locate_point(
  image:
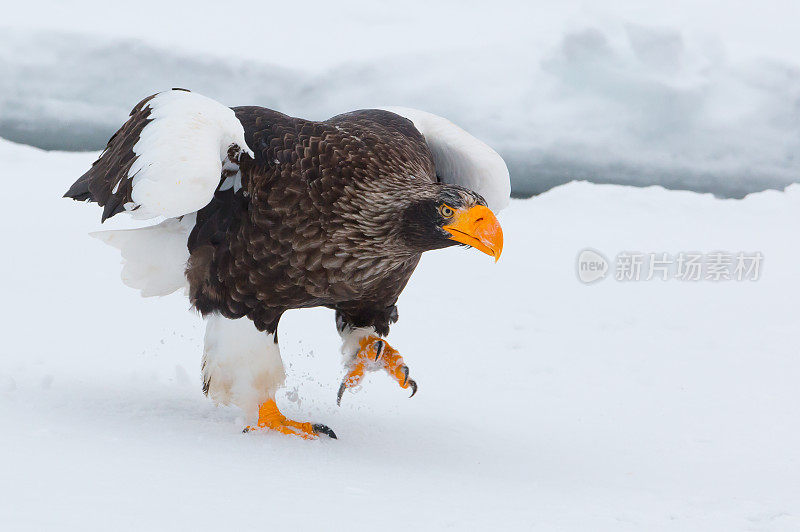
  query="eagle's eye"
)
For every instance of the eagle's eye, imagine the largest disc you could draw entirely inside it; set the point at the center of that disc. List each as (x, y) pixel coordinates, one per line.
(446, 211)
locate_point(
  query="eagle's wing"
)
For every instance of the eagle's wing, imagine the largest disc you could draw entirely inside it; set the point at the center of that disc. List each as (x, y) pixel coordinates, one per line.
(168, 159)
(460, 158)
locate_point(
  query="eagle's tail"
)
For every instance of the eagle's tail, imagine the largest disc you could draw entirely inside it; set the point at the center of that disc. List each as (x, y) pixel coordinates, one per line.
(154, 258)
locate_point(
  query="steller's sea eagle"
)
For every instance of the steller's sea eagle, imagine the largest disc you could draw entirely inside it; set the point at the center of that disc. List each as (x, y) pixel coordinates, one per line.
(261, 212)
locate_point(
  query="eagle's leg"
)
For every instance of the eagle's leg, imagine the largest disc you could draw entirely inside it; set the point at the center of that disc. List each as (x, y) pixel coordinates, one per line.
(270, 418)
(375, 353)
(367, 351)
(242, 366)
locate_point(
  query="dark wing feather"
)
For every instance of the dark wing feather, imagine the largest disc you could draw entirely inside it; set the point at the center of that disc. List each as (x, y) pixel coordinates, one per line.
(106, 181)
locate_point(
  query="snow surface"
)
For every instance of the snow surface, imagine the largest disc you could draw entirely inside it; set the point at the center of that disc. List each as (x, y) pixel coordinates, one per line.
(685, 94)
(544, 404)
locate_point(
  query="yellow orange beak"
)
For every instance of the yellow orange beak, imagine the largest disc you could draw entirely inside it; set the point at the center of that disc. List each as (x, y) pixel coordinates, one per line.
(477, 227)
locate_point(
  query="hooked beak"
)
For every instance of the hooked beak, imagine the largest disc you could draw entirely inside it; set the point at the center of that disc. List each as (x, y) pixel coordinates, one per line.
(477, 227)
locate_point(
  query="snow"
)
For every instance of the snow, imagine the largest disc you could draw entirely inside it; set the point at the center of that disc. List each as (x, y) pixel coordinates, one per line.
(681, 94)
(543, 404)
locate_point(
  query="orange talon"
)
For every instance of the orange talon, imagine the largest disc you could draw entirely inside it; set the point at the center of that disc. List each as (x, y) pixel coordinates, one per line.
(270, 418)
(375, 353)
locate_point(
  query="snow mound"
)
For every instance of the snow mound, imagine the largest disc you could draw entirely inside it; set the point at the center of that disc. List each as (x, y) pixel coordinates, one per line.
(61, 91)
(606, 102)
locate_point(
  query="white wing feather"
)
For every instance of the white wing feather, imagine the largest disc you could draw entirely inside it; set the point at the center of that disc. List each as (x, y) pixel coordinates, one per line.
(180, 154)
(462, 159)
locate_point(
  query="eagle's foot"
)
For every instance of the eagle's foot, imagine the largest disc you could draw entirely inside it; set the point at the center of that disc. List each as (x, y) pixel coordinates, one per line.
(375, 353)
(270, 418)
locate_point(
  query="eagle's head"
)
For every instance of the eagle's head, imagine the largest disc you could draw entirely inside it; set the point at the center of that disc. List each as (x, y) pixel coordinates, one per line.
(450, 215)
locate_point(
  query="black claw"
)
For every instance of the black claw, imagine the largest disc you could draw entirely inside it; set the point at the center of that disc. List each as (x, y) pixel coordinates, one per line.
(245, 430)
(405, 370)
(319, 428)
(413, 385)
(342, 388)
(378, 349)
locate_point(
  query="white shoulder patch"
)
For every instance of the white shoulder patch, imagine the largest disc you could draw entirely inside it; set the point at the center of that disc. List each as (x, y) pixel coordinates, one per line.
(180, 153)
(462, 159)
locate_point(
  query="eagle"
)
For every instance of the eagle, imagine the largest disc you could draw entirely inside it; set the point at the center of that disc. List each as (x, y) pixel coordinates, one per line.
(255, 212)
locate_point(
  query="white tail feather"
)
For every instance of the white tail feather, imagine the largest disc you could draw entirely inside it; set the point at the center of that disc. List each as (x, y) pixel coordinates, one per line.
(154, 258)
